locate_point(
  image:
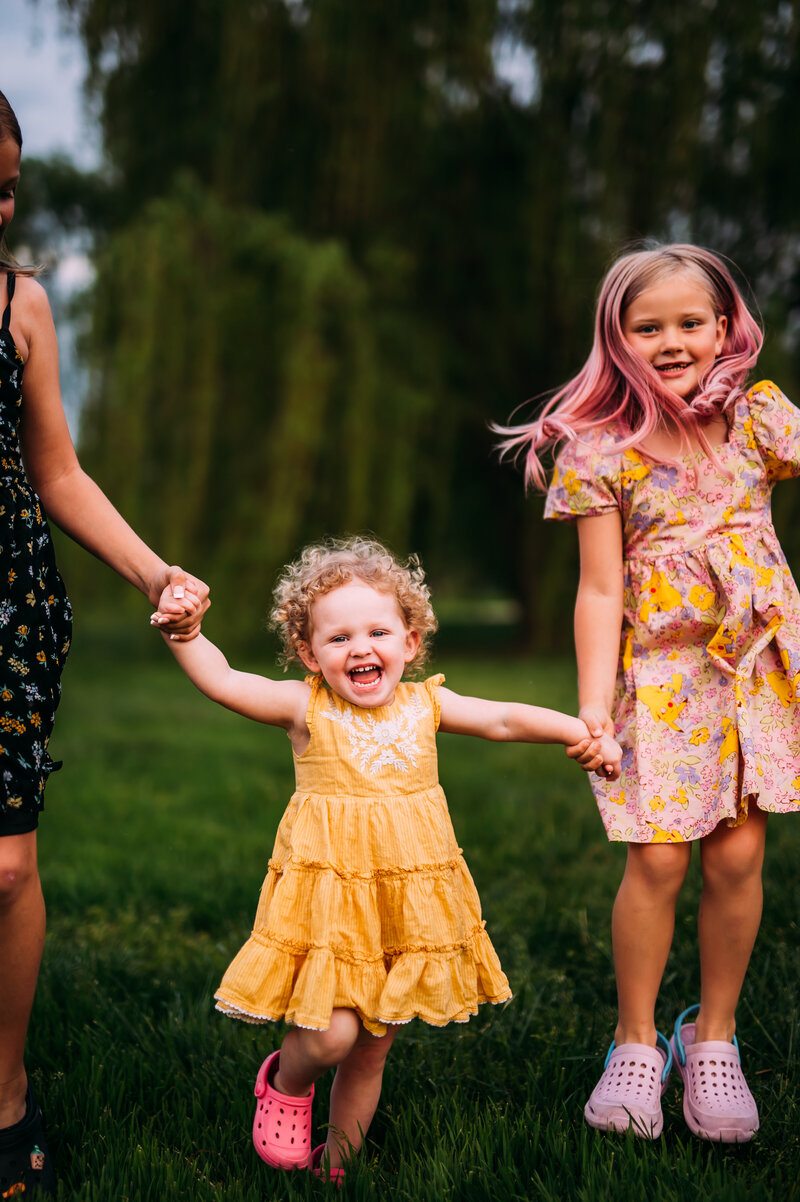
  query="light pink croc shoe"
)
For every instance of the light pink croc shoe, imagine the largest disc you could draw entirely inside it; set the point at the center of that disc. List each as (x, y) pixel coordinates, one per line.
(282, 1125)
(628, 1093)
(717, 1103)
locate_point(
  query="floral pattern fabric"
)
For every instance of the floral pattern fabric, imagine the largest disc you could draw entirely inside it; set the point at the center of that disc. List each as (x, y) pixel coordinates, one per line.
(368, 903)
(706, 705)
(35, 615)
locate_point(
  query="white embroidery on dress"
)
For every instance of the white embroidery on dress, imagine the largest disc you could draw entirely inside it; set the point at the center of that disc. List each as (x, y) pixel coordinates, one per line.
(377, 743)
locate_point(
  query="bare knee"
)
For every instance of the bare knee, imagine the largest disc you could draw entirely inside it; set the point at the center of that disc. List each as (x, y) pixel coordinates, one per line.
(734, 857)
(334, 1045)
(18, 869)
(658, 867)
(370, 1051)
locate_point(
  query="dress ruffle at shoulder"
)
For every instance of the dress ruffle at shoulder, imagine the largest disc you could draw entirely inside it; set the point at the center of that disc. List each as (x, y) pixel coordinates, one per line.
(368, 903)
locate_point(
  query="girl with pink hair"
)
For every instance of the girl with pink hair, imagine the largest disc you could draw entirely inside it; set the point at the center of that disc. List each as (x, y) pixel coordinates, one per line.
(687, 634)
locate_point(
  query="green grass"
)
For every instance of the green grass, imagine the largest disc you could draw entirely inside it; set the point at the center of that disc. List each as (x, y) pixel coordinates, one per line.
(152, 851)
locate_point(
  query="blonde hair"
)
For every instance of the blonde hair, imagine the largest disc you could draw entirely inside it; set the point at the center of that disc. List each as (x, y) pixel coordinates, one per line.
(323, 567)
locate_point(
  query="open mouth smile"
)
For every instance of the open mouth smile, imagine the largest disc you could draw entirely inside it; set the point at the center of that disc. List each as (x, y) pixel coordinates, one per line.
(365, 676)
(669, 369)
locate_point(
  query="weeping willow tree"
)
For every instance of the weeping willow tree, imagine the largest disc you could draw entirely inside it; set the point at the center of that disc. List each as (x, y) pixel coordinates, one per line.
(255, 389)
(375, 246)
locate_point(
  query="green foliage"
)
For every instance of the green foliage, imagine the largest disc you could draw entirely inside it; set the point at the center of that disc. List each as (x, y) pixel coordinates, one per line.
(153, 848)
(257, 388)
(451, 233)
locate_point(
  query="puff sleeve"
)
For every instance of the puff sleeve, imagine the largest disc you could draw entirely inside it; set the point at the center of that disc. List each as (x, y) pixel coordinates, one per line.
(586, 483)
(773, 428)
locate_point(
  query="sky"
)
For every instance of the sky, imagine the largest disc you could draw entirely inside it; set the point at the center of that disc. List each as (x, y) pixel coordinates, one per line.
(42, 66)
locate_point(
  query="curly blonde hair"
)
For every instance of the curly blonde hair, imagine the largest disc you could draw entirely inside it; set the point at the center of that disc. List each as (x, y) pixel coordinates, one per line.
(323, 567)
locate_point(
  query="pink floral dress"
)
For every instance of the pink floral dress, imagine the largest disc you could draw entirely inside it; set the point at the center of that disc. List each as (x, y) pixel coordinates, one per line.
(706, 704)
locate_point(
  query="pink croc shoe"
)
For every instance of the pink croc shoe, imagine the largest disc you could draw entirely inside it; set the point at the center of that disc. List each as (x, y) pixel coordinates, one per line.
(717, 1103)
(628, 1093)
(282, 1125)
(323, 1170)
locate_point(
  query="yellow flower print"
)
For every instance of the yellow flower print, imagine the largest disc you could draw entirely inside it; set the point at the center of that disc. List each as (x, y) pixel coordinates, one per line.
(657, 803)
(35, 719)
(29, 597)
(730, 739)
(571, 482)
(723, 644)
(627, 654)
(701, 735)
(42, 658)
(637, 469)
(664, 836)
(765, 576)
(782, 687)
(661, 701)
(12, 575)
(739, 556)
(6, 694)
(658, 596)
(701, 597)
(677, 519)
(22, 630)
(18, 666)
(15, 802)
(680, 797)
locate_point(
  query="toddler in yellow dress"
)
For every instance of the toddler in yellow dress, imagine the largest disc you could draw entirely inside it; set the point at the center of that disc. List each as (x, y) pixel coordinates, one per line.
(368, 915)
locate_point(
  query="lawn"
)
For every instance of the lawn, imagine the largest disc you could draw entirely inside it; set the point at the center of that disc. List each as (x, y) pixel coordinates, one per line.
(153, 850)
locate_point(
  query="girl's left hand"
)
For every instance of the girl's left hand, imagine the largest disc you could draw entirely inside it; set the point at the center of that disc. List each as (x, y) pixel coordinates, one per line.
(181, 606)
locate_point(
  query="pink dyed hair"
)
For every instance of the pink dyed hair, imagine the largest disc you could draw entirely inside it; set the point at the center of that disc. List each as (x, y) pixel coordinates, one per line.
(617, 385)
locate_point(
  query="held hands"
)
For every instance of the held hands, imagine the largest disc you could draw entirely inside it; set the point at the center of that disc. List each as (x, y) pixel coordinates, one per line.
(600, 752)
(181, 605)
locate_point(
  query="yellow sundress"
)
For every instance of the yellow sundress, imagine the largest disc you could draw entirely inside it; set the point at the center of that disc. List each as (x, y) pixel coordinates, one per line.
(368, 903)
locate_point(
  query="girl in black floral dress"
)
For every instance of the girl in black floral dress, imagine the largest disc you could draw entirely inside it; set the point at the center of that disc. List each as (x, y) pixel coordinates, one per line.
(37, 460)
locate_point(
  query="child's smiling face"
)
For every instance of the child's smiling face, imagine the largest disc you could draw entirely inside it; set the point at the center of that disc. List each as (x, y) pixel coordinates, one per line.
(675, 328)
(360, 643)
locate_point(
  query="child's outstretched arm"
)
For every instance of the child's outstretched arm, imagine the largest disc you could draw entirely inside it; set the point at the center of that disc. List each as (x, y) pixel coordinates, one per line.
(515, 722)
(275, 702)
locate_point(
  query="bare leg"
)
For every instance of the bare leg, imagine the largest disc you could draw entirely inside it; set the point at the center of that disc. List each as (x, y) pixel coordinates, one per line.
(642, 926)
(22, 922)
(305, 1056)
(355, 1094)
(728, 921)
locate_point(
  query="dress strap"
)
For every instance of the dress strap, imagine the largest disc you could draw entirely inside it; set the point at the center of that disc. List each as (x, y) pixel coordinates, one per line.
(11, 281)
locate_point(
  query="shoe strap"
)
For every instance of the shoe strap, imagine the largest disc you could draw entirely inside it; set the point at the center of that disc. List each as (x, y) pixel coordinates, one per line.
(679, 1044)
(662, 1046)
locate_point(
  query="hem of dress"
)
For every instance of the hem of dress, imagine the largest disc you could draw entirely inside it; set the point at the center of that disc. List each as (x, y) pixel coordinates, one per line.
(731, 820)
(255, 1019)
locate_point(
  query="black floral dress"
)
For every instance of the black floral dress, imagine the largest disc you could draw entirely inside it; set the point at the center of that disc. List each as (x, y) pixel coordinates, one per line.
(35, 614)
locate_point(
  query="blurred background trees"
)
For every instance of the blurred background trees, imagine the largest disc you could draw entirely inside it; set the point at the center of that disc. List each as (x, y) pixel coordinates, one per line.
(333, 241)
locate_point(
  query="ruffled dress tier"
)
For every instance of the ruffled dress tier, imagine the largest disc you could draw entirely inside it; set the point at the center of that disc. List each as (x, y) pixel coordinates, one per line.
(368, 903)
(706, 705)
